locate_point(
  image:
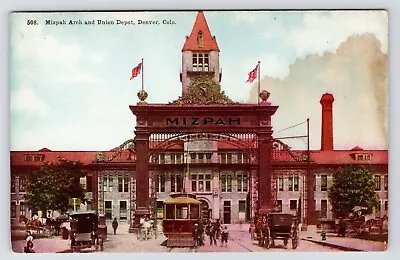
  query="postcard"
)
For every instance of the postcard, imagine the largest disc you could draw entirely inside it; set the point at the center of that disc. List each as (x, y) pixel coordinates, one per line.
(199, 131)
